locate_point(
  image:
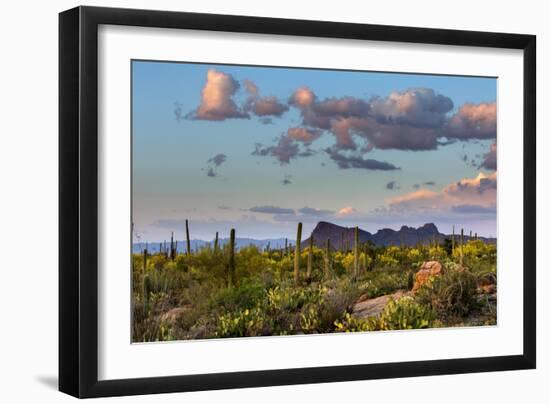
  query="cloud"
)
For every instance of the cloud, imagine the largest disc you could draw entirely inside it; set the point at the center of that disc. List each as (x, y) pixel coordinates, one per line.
(407, 120)
(413, 119)
(474, 209)
(302, 98)
(267, 106)
(218, 159)
(315, 212)
(271, 210)
(490, 158)
(216, 98)
(178, 111)
(416, 186)
(224, 207)
(429, 183)
(346, 211)
(392, 185)
(215, 162)
(473, 121)
(287, 180)
(356, 161)
(284, 150)
(417, 107)
(303, 135)
(262, 106)
(467, 192)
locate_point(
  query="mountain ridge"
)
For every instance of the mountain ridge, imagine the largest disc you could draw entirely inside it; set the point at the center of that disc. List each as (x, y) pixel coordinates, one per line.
(341, 237)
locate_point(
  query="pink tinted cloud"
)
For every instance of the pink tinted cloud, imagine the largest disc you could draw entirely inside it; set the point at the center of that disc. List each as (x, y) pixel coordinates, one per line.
(479, 191)
(418, 107)
(473, 121)
(216, 98)
(304, 135)
(490, 158)
(262, 106)
(346, 211)
(303, 97)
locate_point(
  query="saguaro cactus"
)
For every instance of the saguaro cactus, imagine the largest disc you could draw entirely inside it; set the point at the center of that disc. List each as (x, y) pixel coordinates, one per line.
(461, 247)
(172, 246)
(146, 293)
(453, 241)
(286, 247)
(310, 258)
(187, 236)
(232, 257)
(327, 259)
(297, 254)
(216, 243)
(146, 284)
(356, 253)
(145, 253)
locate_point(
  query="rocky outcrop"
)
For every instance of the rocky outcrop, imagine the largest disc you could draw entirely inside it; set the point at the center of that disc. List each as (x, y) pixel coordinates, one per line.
(373, 307)
(427, 270)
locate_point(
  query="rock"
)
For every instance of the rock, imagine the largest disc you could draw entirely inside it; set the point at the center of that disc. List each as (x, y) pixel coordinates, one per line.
(363, 297)
(427, 270)
(373, 307)
(172, 315)
(487, 289)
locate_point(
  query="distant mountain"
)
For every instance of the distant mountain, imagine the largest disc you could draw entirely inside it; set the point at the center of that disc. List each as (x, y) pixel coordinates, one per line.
(343, 237)
(154, 247)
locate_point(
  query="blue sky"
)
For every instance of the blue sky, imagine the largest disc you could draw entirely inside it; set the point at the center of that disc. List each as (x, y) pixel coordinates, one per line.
(260, 148)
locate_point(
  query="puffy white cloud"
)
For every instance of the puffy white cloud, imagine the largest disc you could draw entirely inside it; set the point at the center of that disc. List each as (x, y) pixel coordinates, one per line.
(302, 98)
(216, 98)
(262, 106)
(473, 121)
(418, 107)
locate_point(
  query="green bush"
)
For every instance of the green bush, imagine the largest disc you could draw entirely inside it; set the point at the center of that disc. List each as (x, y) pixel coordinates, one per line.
(403, 314)
(451, 294)
(242, 323)
(246, 295)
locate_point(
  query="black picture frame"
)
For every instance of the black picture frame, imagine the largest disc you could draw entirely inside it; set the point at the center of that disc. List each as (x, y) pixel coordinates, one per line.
(78, 201)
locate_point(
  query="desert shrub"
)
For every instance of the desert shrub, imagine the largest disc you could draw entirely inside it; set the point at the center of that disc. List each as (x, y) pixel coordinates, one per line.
(414, 255)
(402, 314)
(436, 253)
(451, 294)
(290, 298)
(379, 283)
(146, 321)
(245, 295)
(250, 261)
(386, 261)
(242, 323)
(348, 323)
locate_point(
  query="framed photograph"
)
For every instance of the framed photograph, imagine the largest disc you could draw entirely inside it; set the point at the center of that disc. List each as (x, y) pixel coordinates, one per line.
(251, 201)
